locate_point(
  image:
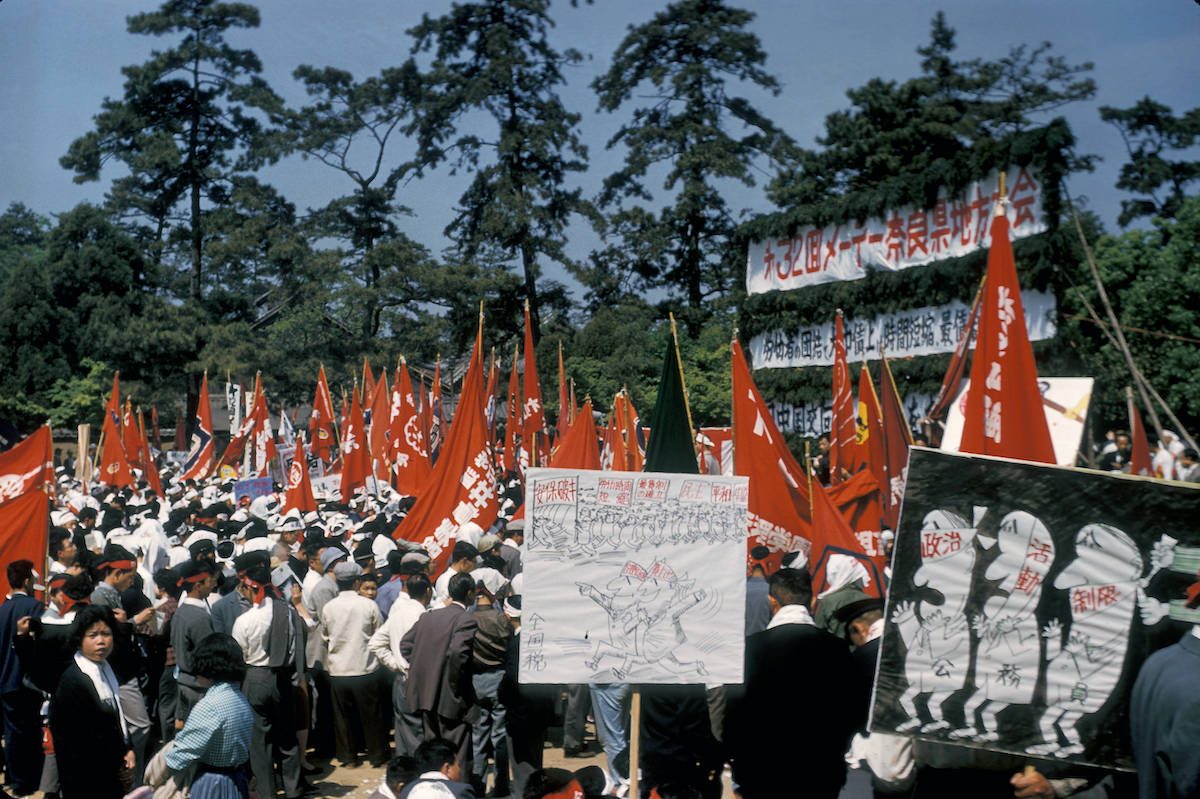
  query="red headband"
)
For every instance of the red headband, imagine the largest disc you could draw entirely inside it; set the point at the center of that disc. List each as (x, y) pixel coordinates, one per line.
(69, 603)
(572, 790)
(260, 590)
(125, 565)
(195, 578)
(1193, 596)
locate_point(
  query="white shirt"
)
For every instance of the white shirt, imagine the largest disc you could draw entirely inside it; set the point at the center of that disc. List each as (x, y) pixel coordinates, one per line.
(385, 643)
(252, 630)
(311, 578)
(347, 623)
(197, 603)
(790, 614)
(441, 587)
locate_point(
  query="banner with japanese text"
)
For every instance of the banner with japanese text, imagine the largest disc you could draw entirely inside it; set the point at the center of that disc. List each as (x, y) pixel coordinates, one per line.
(902, 239)
(1024, 599)
(633, 577)
(812, 419)
(901, 334)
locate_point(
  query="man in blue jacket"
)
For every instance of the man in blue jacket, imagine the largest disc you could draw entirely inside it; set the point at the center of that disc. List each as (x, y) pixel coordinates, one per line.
(22, 704)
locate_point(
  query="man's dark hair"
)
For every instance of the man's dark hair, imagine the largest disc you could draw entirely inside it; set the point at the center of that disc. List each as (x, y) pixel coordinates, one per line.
(401, 770)
(87, 513)
(219, 658)
(416, 586)
(1191, 454)
(791, 587)
(460, 586)
(545, 781)
(313, 546)
(463, 550)
(85, 618)
(19, 572)
(58, 536)
(435, 753)
(168, 581)
(394, 559)
(78, 587)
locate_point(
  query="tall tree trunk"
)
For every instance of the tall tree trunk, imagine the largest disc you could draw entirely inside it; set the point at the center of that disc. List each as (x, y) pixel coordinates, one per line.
(194, 175)
(529, 265)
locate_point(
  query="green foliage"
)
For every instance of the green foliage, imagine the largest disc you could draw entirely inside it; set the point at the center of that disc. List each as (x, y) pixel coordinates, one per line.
(899, 144)
(179, 127)
(1154, 285)
(80, 399)
(1150, 131)
(687, 57)
(494, 58)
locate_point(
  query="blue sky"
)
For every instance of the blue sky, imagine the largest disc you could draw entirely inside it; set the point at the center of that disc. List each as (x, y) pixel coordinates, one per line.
(60, 58)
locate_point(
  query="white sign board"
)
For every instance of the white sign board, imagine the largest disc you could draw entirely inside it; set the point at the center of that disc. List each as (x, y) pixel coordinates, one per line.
(899, 334)
(1065, 401)
(901, 239)
(633, 577)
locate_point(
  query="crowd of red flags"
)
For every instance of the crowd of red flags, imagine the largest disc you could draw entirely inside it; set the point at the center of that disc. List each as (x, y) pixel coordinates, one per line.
(398, 434)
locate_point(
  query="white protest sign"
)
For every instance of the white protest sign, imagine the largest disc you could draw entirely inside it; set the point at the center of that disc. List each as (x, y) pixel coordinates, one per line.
(633, 577)
(1065, 401)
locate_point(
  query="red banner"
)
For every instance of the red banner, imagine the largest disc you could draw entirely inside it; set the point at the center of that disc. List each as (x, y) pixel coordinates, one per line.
(842, 449)
(320, 425)
(28, 465)
(1004, 415)
(299, 494)
(462, 486)
(202, 449)
(114, 469)
(24, 523)
(533, 427)
(577, 448)
(356, 461)
(410, 460)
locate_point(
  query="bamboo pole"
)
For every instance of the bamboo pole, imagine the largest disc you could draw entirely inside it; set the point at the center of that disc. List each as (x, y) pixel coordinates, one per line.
(635, 734)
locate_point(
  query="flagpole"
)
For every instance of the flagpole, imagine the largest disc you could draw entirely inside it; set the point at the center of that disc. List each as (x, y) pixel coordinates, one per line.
(895, 391)
(808, 473)
(635, 734)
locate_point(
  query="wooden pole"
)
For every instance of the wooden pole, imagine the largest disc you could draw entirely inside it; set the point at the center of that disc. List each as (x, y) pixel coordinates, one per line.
(635, 733)
(1122, 345)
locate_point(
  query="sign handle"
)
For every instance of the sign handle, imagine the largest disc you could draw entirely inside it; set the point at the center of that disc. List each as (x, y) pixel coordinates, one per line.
(635, 733)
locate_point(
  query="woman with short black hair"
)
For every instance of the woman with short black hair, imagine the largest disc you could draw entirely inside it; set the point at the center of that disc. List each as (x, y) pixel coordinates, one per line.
(91, 738)
(216, 737)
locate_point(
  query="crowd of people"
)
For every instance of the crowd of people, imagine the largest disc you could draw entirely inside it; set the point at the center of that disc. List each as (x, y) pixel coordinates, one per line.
(210, 643)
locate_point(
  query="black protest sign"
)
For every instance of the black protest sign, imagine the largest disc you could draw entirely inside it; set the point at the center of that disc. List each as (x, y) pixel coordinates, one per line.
(1025, 598)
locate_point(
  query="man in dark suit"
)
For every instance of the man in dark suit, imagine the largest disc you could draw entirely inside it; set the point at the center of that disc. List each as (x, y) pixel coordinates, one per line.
(22, 704)
(800, 703)
(438, 649)
(1164, 716)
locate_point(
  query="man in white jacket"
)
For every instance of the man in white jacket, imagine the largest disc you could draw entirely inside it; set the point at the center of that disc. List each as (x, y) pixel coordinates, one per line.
(385, 643)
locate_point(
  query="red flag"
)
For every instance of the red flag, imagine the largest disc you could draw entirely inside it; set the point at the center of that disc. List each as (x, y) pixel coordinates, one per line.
(381, 407)
(462, 486)
(869, 443)
(832, 535)
(565, 410)
(321, 424)
(299, 493)
(533, 426)
(368, 381)
(777, 505)
(202, 448)
(114, 468)
(356, 461)
(842, 449)
(1140, 461)
(131, 440)
(1004, 414)
(410, 461)
(577, 448)
(27, 466)
(437, 420)
(264, 439)
(958, 364)
(25, 521)
(614, 457)
(489, 398)
(627, 417)
(512, 417)
(897, 438)
(149, 470)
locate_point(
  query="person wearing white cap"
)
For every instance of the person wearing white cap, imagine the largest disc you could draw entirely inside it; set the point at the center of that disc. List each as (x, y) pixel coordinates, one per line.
(347, 623)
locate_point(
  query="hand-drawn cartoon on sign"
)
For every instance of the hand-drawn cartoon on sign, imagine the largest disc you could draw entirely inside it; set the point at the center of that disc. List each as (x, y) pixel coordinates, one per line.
(1023, 631)
(634, 577)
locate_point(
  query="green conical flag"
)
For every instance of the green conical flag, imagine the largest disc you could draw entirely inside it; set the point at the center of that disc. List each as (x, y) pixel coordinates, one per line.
(672, 443)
